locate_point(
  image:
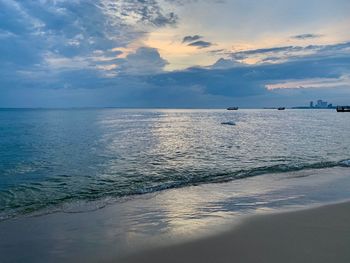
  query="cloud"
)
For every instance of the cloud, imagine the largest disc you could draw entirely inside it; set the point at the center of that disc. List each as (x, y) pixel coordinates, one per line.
(194, 41)
(312, 83)
(49, 38)
(244, 85)
(306, 36)
(200, 44)
(188, 39)
(149, 12)
(144, 61)
(186, 2)
(59, 27)
(285, 53)
(249, 53)
(225, 64)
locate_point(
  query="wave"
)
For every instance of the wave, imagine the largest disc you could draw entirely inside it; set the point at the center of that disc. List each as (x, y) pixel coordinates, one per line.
(345, 163)
(92, 198)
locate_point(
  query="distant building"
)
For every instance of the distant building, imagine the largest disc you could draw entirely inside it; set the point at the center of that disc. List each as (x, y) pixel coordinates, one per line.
(321, 104)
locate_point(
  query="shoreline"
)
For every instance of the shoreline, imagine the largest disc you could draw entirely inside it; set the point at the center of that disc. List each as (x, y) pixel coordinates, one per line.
(320, 234)
(168, 218)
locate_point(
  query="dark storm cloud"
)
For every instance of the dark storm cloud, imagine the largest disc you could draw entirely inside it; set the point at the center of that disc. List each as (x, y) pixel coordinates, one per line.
(244, 82)
(197, 87)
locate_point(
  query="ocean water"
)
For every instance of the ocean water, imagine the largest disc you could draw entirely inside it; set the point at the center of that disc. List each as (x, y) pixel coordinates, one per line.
(51, 159)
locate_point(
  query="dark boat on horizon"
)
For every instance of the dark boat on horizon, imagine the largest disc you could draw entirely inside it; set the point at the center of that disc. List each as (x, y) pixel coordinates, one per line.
(343, 108)
(232, 108)
(281, 108)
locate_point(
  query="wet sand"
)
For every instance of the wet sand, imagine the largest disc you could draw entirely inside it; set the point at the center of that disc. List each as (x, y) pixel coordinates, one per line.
(314, 235)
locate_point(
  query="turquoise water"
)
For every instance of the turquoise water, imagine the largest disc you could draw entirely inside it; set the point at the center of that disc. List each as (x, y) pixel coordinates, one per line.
(50, 158)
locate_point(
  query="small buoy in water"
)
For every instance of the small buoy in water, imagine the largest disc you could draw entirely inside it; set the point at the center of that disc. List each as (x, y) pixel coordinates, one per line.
(228, 123)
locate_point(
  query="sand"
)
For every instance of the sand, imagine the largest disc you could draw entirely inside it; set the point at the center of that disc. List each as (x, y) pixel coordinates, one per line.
(315, 235)
(176, 216)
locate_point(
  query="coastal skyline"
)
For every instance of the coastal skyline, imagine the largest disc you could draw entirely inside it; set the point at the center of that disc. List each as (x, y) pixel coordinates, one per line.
(163, 53)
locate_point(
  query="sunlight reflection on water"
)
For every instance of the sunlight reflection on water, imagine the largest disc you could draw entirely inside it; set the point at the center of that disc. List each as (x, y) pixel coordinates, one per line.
(54, 157)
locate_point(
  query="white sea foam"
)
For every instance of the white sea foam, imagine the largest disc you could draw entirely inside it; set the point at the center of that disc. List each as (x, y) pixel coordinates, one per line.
(345, 162)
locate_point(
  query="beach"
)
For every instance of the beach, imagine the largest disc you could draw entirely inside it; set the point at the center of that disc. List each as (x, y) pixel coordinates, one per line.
(281, 217)
(314, 235)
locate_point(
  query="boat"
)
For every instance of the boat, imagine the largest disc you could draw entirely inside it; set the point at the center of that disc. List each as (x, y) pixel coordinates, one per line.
(343, 108)
(281, 108)
(232, 108)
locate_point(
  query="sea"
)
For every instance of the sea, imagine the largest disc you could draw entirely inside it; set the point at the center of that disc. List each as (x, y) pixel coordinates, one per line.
(54, 160)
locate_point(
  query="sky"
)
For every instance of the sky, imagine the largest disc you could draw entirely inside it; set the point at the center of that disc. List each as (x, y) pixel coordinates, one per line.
(174, 53)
